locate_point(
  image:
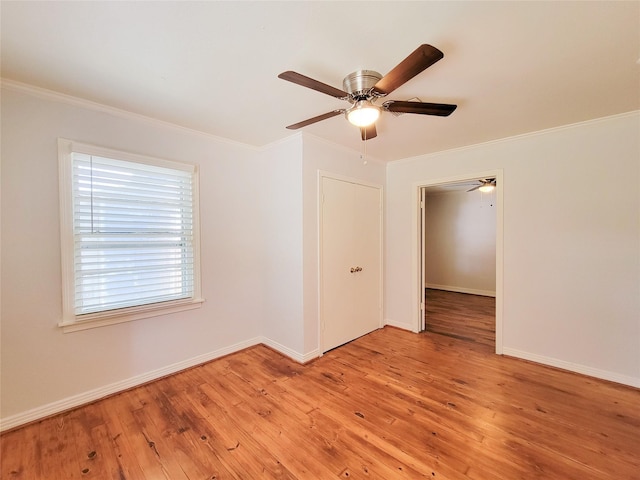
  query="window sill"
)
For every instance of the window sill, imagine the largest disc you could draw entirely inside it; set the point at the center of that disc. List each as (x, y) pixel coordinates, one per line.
(102, 319)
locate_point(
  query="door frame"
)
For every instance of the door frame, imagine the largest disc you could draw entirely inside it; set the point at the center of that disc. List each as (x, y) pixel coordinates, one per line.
(418, 246)
(334, 176)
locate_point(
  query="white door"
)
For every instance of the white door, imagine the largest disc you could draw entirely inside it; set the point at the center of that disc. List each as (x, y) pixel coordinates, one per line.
(351, 265)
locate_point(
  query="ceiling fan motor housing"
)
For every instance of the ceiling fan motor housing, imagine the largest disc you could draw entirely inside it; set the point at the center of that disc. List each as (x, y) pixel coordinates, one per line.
(359, 84)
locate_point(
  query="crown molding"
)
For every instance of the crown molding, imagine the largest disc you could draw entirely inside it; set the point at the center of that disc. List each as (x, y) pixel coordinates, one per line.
(54, 96)
(630, 114)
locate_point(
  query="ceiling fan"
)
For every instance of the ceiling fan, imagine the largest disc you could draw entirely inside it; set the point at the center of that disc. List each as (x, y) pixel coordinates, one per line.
(363, 88)
(486, 185)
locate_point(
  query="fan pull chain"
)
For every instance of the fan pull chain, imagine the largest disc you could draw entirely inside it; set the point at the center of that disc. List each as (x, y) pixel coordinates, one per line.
(363, 155)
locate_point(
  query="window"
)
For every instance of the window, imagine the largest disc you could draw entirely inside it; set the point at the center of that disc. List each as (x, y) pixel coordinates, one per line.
(129, 229)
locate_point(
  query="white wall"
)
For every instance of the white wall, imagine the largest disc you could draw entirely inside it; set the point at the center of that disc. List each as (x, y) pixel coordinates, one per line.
(259, 232)
(571, 243)
(44, 369)
(460, 241)
(278, 202)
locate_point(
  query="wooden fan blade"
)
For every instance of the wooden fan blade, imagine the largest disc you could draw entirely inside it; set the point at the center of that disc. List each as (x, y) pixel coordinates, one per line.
(474, 188)
(367, 133)
(421, 108)
(319, 118)
(300, 79)
(422, 58)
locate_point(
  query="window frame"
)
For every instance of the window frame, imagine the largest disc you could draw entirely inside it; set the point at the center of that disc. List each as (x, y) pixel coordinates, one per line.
(71, 322)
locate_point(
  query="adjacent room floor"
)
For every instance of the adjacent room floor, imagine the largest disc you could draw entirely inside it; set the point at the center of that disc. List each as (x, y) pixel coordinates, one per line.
(461, 315)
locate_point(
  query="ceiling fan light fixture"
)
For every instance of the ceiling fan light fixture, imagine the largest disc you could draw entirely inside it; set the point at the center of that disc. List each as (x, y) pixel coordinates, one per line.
(363, 113)
(486, 188)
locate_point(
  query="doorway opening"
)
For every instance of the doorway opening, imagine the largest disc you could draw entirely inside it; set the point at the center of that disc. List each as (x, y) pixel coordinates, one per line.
(460, 259)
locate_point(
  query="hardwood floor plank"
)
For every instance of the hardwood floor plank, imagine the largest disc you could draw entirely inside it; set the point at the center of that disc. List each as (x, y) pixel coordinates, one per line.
(20, 454)
(276, 441)
(390, 405)
(258, 410)
(436, 429)
(57, 455)
(240, 427)
(94, 447)
(228, 442)
(138, 453)
(339, 442)
(131, 461)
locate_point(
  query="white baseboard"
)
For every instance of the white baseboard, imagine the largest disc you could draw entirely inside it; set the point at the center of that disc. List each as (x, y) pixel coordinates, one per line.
(402, 326)
(472, 291)
(68, 403)
(573, 367)
(98, 393)
(288, 352)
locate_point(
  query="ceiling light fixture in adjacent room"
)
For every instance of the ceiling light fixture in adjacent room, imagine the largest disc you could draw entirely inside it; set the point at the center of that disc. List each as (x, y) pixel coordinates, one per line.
(486, 185)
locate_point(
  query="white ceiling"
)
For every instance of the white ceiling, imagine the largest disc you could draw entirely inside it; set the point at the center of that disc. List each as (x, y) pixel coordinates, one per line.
(511, 67)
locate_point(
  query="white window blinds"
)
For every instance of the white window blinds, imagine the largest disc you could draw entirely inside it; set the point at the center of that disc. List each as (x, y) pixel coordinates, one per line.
(133, 232)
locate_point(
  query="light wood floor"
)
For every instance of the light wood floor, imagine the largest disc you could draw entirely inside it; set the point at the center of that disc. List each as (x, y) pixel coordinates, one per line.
(390, 405)
(460, 315)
